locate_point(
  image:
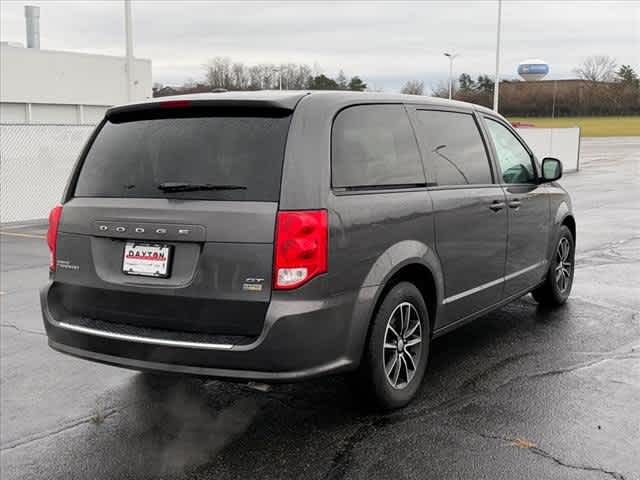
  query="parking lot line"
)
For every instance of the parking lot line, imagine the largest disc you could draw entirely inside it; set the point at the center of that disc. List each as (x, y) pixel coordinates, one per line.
(19, 226)
(27, 235)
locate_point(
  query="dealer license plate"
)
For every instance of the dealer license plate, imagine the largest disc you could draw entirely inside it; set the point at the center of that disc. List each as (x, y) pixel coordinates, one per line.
(146, 259)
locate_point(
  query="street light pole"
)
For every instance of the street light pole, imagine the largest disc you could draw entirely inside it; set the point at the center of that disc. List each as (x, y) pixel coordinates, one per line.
(496, 86)
(128, 29)
(451, 56)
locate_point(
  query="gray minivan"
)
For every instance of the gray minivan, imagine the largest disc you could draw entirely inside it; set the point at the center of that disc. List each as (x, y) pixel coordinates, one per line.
(279, 236)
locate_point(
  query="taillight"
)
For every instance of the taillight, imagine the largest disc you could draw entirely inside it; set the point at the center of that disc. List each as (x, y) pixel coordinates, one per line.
(52, 234)
(301, 247)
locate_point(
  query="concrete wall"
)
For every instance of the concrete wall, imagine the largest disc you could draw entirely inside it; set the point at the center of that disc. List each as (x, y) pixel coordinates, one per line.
(13, 112)
(560, 143)
(51, 113)
(28, 75)
(45, 86)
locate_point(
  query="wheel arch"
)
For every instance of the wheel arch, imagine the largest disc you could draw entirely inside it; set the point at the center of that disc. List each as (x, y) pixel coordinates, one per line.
(570, 223)
(407, 261)
(419, 275)
(563, 216)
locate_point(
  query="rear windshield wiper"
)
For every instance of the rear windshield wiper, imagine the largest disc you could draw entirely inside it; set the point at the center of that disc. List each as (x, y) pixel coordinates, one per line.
(194, 187)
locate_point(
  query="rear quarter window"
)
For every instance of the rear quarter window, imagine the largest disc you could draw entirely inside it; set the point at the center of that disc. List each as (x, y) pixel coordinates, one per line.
(132, 158)
(374, 145)
(453, 148)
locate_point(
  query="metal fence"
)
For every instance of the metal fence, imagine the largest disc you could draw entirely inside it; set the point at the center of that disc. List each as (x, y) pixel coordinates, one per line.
(35, 163)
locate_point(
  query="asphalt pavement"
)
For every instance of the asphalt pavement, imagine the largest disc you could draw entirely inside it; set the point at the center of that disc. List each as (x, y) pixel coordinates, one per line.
(519, 393)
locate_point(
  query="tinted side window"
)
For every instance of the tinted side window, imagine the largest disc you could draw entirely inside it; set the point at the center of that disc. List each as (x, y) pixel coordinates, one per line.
(515, 161)
(453, 148)
(374, 145)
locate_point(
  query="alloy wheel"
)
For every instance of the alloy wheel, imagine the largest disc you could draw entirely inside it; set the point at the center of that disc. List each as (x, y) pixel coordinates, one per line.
(563, 264)
(402, 345)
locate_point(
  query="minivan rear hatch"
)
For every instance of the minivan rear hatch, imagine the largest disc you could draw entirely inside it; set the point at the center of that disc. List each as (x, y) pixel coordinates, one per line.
(169, 218)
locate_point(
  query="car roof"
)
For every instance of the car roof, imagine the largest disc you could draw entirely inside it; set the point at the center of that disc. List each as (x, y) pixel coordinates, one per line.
(288, 99)
(371, 97)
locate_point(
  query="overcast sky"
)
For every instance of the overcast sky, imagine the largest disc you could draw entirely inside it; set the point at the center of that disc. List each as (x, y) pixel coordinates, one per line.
(386, 43)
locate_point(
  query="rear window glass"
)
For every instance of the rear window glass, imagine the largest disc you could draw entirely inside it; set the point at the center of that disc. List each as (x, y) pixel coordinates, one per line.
(454, 151)
(134, 158)
(374, 145)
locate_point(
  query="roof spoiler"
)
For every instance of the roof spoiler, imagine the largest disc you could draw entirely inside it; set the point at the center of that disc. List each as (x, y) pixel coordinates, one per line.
(188, 106)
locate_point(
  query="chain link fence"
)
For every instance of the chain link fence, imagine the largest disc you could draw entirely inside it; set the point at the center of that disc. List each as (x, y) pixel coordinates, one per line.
(35, 163)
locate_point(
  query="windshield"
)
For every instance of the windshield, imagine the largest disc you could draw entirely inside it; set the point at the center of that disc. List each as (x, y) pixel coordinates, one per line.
(137, 158)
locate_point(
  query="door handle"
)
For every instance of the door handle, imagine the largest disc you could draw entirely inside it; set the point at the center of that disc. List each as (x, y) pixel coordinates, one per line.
(515, 204)
(496, 205)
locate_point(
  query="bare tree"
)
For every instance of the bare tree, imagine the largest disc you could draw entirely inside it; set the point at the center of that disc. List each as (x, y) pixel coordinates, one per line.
(440, 90)
(255, 78)
(222, 72)
(293, 77)
(597, 68)
(302, 77)
(413, 87)
(218, 72)
(269, 76)
(341, 80)
(240, 76)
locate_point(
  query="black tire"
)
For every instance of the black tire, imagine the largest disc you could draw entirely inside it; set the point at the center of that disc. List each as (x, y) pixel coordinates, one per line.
(556, 288)
(372, 376)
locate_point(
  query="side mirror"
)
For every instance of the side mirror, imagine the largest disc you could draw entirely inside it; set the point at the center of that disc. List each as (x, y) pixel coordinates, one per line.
(551, 169)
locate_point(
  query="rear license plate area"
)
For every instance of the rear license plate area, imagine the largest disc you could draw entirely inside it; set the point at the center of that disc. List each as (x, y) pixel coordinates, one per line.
(147, 259)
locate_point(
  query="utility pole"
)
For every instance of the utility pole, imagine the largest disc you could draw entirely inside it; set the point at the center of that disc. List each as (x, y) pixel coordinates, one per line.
(496, 86)
(128, 29)
(451, 57)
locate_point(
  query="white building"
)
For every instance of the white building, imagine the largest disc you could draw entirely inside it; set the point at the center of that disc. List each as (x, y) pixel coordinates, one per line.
(57, 87)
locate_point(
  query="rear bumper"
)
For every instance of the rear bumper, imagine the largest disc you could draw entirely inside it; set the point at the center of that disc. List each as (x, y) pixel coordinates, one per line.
(300, 339)
(143, 365)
